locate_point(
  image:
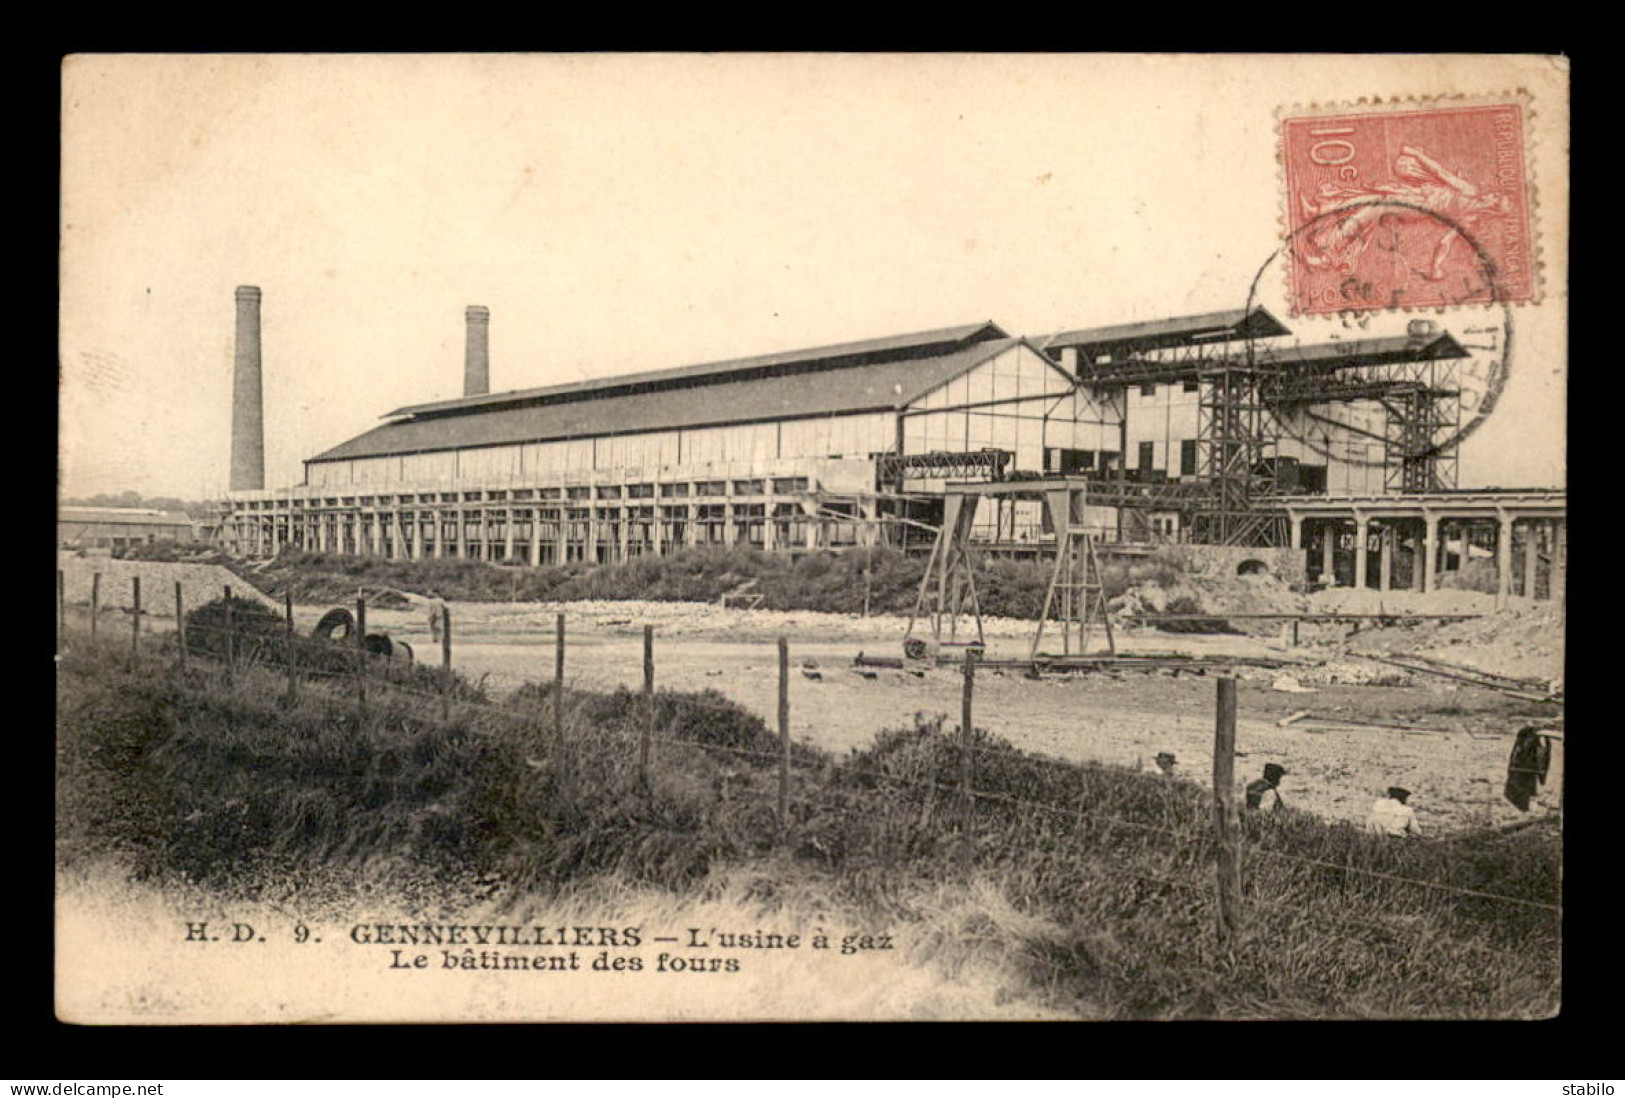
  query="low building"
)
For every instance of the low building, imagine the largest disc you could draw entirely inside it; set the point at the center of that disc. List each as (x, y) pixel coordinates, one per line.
(118, 528)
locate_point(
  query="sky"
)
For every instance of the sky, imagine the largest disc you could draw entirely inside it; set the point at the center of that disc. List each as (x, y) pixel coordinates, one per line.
(621, 213)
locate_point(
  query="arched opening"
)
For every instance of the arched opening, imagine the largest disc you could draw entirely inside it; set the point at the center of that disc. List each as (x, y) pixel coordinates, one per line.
(1252, 568)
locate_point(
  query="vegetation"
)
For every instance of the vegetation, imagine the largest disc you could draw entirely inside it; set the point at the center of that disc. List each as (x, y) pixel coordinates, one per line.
(1109, 871)
(885, 580)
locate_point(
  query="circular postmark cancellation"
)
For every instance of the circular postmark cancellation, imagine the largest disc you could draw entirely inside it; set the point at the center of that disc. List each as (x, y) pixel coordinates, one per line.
(1408, 231)
(1377, 348)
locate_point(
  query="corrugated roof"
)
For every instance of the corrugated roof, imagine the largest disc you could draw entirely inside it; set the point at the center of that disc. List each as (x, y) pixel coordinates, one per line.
(916, 344)
(1257, 323)
(880, 386)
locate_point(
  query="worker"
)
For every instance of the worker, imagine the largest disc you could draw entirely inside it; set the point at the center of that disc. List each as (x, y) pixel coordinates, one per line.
(437, 615)
(1163, 765)
(1392, 815)
(1263, 794)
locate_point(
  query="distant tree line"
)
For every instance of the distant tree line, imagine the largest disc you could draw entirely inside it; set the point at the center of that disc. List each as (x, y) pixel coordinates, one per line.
(193, 508)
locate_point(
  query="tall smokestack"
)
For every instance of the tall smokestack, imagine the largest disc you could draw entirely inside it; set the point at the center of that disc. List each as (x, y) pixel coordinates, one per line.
(247, 412)
(477, 357)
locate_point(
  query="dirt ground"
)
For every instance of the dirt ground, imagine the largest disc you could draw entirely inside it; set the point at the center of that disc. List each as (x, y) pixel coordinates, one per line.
(1455, 772)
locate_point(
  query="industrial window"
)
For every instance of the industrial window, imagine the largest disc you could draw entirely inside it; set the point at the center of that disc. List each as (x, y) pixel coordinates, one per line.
(1148, 390)
(674, 489)
(1147, 455)
(749, 487)
(1190, 385)
(789, 484)
(1187, 457)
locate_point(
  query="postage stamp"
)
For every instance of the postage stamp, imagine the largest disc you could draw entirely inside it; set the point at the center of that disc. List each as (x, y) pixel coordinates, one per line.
(1414, 205)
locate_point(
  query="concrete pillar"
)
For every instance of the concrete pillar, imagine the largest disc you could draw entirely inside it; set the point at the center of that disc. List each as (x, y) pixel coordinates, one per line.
(507, 540)
(1419, 563)
(1531, 557)
(1328, 550)
(1385, 558)
(1503, 559)
(440, 533)
(561, 552)
(535, 537)
(1559, 559)
(1296, 522)
(589, 551)
(1362, 531)
(728, 524)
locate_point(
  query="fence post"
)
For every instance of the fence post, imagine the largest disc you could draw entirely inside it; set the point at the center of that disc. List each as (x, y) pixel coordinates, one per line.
(361, 652)
(648, 701)
(231, 636)
(784, 737)
(445, 663)
(95, 601)
(61, 608)
(180, 626)
(558, 681)
(1226, 823)
(966, 734)
(135, 617)
(293, 648)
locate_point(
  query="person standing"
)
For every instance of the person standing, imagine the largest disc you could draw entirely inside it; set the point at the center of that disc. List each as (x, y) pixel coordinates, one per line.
(1393, 815)
(1264, 794)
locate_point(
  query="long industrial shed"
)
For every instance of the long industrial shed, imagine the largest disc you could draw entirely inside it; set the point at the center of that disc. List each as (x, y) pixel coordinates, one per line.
(780, 451)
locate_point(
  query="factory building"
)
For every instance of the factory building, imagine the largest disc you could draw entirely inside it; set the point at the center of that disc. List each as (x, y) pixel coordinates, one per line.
(779, 451)
(1210, 429)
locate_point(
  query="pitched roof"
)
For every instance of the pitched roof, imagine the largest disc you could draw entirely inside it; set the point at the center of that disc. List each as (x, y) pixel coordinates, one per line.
(1175, 331)
(885, 348)
(878, 386)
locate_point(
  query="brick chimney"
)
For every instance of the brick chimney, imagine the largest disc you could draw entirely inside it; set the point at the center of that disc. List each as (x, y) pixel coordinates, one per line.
(477, 357)
(247, 401)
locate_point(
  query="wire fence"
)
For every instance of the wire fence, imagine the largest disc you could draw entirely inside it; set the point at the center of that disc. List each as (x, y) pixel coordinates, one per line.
(228, 644)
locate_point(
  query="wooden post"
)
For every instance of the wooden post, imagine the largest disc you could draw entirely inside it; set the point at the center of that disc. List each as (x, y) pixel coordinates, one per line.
(231, 637)
(558, 680)
(61, 608)
(784, 737)
(361, 651)
(180, 626)
(95, 601)
(1226, 822)
(966, 734)
(135, 616)
(293, 648)
(445, 664)
(648, 700)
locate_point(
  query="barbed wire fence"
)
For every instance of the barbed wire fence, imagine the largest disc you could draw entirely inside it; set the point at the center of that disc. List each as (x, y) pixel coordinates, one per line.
(352, 677)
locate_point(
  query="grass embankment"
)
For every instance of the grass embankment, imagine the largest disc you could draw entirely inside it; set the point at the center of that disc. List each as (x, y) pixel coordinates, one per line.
(828, 581)
(1100, 903)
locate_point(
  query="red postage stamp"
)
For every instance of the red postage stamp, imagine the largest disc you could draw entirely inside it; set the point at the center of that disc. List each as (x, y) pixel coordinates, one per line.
(1412, 206)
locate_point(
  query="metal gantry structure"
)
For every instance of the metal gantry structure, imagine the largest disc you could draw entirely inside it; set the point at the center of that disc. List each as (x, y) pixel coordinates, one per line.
(1250, 385)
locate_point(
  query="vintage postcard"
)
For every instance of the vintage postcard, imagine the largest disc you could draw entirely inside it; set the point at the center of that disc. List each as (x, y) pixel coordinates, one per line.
(657, 537)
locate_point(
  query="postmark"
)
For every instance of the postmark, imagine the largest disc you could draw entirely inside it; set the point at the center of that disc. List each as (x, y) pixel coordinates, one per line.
(1409, 206)
(1462, 361)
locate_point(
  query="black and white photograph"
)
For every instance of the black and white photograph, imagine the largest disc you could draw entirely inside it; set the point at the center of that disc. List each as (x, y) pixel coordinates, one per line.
(757, 537)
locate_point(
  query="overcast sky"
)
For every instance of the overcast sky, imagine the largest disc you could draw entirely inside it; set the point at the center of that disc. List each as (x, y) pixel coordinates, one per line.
(622, 213)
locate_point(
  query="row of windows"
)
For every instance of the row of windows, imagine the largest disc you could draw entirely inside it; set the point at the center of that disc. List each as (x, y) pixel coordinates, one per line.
(1188, 386)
